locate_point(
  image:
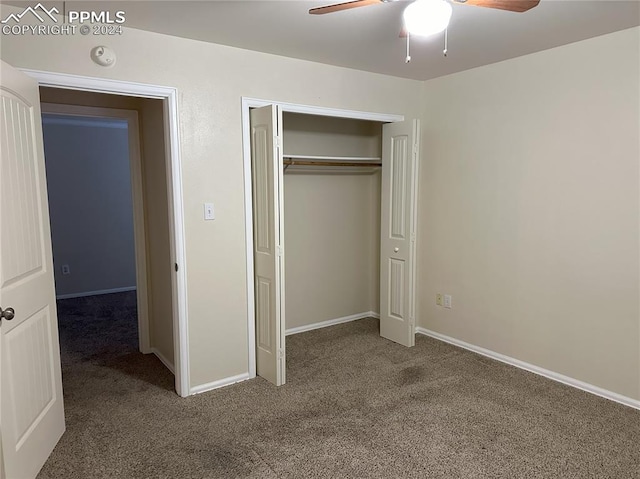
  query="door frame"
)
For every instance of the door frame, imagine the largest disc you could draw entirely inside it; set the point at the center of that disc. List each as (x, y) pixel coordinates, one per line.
(247, 104)
(169, 95)
(139, 230)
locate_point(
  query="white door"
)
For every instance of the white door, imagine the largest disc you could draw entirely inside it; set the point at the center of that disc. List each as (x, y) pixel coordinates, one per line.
(398, 231)
(32, 415)
(268, 238)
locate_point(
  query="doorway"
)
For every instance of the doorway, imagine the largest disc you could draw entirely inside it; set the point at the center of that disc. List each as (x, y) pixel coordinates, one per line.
(106, 236)
(72, 86)
(92, 158)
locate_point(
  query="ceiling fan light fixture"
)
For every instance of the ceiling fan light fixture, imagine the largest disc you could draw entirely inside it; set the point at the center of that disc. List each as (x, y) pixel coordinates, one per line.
(427, 17)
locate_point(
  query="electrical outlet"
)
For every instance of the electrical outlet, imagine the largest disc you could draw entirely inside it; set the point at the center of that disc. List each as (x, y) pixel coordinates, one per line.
(447, 301)
(439, 299)
(65, 269)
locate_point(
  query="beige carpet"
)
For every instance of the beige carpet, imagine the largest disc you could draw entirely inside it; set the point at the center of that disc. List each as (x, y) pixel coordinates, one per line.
(355, 405)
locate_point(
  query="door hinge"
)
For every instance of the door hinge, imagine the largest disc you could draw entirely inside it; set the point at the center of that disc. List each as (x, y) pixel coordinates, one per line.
(278, 141)
(280, 251)
(412, 321)
(415, 149)
(413, 237)
(280, 353)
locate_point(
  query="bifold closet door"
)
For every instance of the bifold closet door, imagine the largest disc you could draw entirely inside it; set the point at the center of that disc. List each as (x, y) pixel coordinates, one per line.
(268, 238)
(398, 231)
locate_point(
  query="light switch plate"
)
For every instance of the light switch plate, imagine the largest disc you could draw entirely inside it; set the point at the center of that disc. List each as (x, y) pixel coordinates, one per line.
(209, 213)
(447, 301)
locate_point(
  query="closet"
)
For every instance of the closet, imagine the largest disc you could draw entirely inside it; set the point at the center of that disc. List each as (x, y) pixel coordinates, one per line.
(332, 219)
(333, 207)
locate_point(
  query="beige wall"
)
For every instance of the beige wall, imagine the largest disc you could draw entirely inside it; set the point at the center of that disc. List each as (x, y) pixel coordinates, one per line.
(322, 135)
(529, 209)
(331, 262)
(211, 79)
(159, 266)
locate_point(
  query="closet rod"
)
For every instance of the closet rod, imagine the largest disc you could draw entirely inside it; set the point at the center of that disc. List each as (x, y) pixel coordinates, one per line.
(332, 158)
(328, 163)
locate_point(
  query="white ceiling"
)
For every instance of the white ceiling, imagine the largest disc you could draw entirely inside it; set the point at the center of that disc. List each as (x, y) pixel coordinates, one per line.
(367, 38)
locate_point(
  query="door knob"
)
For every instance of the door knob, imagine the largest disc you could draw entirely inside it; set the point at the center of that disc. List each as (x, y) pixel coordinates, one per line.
(396, 249)
(7, 314)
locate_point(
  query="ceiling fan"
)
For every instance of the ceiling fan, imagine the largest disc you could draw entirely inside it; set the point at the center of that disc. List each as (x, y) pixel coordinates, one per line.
(511, 5)
(428, 17)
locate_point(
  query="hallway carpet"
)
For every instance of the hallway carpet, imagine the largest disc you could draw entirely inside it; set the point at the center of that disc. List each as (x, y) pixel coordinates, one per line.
(355, 405)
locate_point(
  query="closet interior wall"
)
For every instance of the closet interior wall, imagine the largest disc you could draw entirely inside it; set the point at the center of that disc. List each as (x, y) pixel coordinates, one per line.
(332, 221)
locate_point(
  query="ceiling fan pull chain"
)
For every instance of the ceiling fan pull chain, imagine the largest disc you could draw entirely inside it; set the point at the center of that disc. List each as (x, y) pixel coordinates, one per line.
(408, 57)
(446, 41)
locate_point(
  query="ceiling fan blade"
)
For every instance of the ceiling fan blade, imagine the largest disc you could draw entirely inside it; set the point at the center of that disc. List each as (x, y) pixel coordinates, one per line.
(511, 5)
(343, 6)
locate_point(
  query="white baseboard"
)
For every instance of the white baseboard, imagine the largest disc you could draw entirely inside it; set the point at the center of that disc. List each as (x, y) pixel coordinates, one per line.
(95, 293)
(164, 360)
(218, 384)
(331, 322)
(590, 388)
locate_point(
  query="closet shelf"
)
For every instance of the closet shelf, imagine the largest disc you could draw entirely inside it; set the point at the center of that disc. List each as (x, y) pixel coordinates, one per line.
(330, 164)
(334, 159)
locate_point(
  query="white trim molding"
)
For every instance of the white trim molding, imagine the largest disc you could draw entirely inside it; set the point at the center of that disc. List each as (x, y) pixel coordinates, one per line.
(322, 111)
(163, 359)
(169, 95)
(99, 85)
(331, 322)
(590, 388)
(203, 388)
(96, 293)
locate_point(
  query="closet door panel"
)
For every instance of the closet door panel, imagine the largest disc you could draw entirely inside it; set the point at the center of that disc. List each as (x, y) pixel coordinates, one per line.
(266, 166)
(398, 232)
(397, 273)
(398, 160)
